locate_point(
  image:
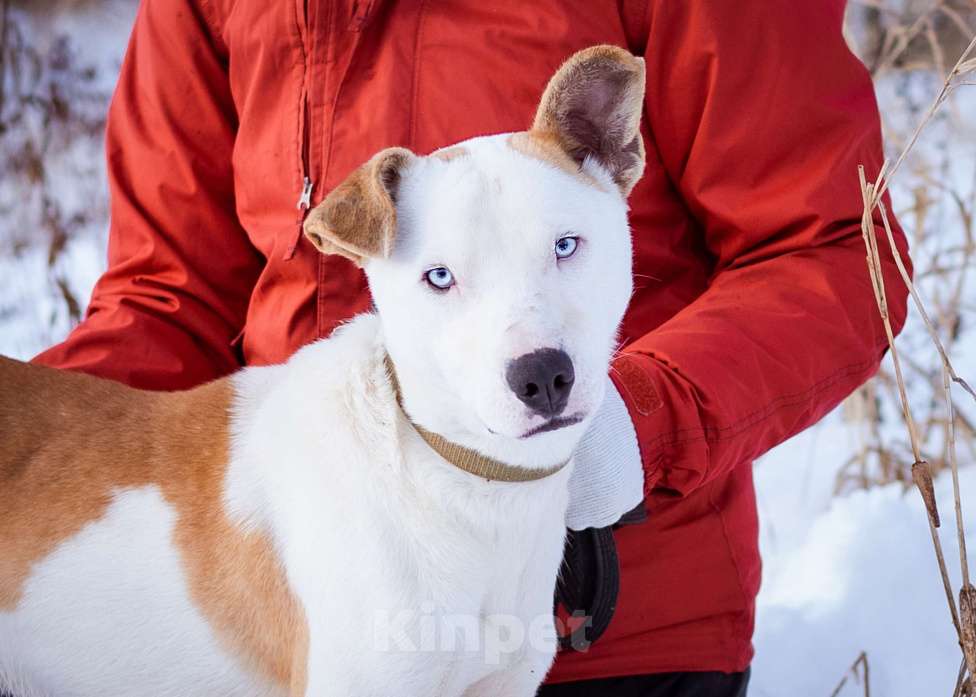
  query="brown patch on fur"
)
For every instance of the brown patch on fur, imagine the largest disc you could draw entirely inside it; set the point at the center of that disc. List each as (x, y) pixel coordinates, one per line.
(592, 107)
(547, 147)
(451, 153)
(71, 441)
(358, 218)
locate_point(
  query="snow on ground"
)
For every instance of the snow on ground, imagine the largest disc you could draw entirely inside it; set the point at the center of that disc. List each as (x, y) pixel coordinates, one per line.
(851, 574)
(858, 572)
(33, 314)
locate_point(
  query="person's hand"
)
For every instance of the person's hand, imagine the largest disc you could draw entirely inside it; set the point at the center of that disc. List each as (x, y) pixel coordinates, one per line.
(608, 476)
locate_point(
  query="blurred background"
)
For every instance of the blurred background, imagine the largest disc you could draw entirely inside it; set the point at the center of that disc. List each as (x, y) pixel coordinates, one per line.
(849, 566)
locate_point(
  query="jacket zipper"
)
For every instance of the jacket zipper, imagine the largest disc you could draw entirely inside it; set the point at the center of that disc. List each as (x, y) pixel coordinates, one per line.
(308, 185)
(305, 202)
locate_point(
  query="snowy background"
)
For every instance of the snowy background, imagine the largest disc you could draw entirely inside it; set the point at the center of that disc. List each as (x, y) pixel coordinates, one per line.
(848, 562)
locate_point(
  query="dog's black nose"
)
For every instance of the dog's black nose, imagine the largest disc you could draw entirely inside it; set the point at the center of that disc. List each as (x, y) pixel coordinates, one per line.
(543, 380)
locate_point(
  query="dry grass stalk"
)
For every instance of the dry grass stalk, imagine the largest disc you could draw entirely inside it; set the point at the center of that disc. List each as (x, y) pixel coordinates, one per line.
(862, 662)
(877, 462)
(52, 104)
(900, 41)
(948, 377)
(967, 611)
(877, 281)
(922, 476)
(962, 67)
(962, 685)
(906, 277)
(954, 468)
(965, 625)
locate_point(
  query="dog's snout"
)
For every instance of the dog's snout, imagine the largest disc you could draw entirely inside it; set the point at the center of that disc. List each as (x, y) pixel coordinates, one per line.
(542, 380)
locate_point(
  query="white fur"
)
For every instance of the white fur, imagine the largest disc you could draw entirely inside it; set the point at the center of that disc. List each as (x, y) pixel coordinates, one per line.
(493, 218)
(370, 523)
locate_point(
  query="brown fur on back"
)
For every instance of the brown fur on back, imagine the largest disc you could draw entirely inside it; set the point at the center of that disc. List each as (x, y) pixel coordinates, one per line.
(69, 442)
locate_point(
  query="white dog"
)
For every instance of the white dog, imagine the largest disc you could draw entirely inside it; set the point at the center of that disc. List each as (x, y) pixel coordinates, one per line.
(384, 513)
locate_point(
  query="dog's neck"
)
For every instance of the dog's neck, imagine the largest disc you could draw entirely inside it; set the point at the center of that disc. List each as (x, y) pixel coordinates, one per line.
(469, 459)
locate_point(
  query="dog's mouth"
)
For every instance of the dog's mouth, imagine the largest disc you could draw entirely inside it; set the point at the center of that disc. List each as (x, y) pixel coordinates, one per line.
(553, 425)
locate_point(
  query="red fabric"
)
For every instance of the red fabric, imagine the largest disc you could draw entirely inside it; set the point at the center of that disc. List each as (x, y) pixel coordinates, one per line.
(753, 314)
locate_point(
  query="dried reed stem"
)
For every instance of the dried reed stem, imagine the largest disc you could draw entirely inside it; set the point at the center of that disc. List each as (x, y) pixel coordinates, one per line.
(872, 194)
(960, 678)
(907, 278)
(4, 23)
(962, 66)
(920, 470)
(948, 377)
(862, 660)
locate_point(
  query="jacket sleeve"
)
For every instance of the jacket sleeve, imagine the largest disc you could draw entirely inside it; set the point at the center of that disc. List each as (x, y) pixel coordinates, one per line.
(180, 267)
(760, 116)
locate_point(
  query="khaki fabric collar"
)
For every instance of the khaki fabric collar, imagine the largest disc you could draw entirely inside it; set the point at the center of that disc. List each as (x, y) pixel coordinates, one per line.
(469, 460)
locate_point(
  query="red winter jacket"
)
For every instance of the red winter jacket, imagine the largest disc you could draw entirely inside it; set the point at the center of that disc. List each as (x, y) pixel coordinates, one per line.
(753, 314)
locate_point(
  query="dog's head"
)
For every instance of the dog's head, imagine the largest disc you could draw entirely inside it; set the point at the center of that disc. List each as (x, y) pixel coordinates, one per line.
(501, 267)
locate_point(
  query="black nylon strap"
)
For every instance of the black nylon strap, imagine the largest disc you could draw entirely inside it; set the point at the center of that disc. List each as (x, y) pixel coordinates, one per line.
(588, 585)
(589, 581)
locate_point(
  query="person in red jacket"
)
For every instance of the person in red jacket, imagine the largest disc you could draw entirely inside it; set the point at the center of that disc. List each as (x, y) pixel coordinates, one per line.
(752, 315)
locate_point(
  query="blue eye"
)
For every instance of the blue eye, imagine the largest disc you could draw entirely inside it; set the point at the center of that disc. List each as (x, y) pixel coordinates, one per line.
(440, 277)
(566, 246)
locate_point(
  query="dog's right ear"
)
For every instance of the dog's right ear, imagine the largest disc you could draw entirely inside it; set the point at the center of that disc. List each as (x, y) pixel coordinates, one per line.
(358, 218)
(592, 109)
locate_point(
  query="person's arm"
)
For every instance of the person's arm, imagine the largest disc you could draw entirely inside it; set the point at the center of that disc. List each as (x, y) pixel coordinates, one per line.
(760, 115)
(181, 268)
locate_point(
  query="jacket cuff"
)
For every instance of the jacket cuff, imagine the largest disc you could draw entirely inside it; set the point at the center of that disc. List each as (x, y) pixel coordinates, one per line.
(639, 396)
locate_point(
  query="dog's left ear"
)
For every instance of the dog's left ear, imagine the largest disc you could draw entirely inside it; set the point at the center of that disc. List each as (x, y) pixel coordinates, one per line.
(358, 218)
(592, 107)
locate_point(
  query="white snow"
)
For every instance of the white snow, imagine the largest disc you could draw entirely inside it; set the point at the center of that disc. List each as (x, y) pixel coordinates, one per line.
(851, 574)
(33, 314)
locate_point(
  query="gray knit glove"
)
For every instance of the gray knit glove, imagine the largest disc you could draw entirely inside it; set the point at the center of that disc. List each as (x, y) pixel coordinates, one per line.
(608, 476)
